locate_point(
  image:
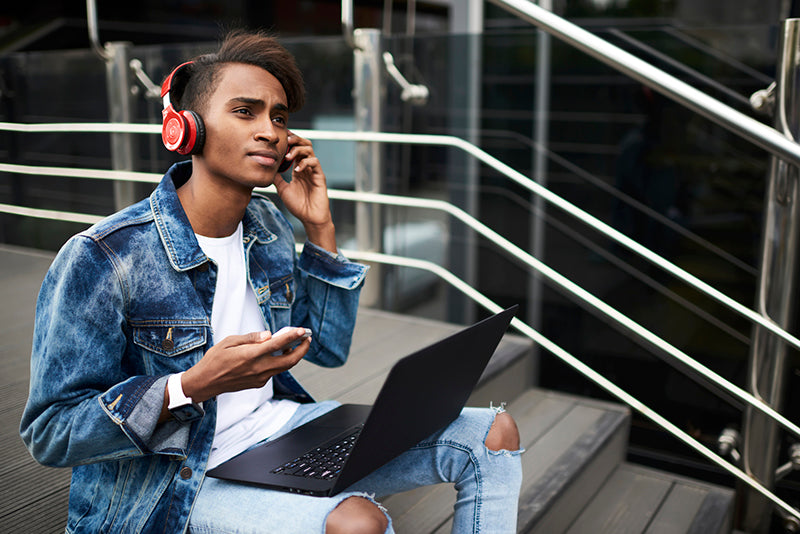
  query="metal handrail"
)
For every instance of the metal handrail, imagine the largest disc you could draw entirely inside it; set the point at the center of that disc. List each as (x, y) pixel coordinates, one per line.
(530, 332)
(504, 244)
(461, 144)
(574, 289)
(760, 134)
(576, 364)
(91, 20)
(38, 213)
(313, 134)
(347, 24)
(522, 327)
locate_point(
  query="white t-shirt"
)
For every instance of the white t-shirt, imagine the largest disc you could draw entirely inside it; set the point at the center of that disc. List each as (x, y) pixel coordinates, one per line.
(243, 417)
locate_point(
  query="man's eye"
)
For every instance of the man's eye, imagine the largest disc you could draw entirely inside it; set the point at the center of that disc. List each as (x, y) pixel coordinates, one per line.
(243, 111)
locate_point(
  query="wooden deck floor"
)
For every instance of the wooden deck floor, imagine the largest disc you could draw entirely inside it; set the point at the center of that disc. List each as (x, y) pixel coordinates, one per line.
(32, 498)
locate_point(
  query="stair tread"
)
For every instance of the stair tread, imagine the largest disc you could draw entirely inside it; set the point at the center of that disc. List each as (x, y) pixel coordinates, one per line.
(559, 432)
(637, 499)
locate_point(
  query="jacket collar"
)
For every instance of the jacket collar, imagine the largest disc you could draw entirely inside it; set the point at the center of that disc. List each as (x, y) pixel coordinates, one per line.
(173, 225)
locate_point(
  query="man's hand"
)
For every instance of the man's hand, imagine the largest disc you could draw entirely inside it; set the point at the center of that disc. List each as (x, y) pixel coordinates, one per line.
(306, 196)
(240, 362)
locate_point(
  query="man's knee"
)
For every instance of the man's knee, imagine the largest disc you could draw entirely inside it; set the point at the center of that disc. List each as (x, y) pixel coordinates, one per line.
(356, 515)
(504, 434)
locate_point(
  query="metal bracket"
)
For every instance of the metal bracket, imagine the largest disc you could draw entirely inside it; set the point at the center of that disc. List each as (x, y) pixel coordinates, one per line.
(790, 523)
(763, 100)
(151, 90)
(792, 464)
(728, 444)
(416, 94)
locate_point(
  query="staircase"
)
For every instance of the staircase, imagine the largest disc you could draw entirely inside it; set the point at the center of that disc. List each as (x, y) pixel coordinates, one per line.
(575, 476)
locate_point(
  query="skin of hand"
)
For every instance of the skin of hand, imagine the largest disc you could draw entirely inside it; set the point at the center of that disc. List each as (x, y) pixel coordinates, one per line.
(306, 195)
(240, 362)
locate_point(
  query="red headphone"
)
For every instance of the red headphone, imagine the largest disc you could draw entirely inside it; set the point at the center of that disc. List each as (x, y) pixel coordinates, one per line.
(181, 131)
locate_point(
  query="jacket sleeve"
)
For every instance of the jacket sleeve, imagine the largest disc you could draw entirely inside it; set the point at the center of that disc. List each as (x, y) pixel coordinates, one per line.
(87, 403)
(327, 302)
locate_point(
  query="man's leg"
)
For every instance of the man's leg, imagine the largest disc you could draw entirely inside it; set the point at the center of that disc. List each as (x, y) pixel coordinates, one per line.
(356, 515)
(479, 452)
(504, 433)
(225, 507)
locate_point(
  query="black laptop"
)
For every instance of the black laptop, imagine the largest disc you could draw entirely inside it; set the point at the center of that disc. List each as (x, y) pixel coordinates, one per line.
(423, 393)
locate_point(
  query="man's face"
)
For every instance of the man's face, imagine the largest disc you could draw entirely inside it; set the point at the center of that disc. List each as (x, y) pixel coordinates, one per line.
(246, 120)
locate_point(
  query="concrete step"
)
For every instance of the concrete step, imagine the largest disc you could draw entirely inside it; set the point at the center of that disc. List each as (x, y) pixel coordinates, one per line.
(636, 499)
(572, 445)
(574, 477)
(576, 482)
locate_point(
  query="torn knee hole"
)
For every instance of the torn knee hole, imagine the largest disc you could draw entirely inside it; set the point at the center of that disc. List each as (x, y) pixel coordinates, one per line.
(504, 434)
(357, 515)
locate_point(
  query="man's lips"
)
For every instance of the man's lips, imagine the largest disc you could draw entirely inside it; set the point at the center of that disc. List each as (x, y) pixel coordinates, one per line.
(265, 158)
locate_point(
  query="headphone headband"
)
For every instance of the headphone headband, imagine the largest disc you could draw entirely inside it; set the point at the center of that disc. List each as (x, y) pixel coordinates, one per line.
(166, 87)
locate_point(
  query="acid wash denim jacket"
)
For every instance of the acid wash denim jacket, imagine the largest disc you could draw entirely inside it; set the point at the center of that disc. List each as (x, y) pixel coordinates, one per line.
(127, 303)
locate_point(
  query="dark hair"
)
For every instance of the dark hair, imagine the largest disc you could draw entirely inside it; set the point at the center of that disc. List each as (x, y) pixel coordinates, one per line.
(250, 48)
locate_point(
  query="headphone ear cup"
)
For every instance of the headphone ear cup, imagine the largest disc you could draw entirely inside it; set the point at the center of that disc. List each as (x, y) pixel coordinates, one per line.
(173, 129)
(197, 133)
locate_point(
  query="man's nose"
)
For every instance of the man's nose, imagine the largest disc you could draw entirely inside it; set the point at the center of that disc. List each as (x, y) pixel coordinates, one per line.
(266, 131)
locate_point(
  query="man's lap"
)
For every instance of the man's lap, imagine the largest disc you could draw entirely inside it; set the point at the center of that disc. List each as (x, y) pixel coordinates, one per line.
(229, 507)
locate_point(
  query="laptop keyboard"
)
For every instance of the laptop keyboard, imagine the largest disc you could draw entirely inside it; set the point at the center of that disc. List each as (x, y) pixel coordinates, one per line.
(324, 463)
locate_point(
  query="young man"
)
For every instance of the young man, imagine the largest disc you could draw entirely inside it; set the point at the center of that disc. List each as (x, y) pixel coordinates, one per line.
(153, 358)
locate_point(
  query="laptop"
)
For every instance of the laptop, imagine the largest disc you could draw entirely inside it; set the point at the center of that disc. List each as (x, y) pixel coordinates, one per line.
(423, 393)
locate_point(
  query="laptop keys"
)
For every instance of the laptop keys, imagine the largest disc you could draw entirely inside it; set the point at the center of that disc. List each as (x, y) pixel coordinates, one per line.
(323, 462)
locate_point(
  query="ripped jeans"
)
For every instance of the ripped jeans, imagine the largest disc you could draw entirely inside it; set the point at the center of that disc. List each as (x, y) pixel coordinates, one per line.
(487, 485)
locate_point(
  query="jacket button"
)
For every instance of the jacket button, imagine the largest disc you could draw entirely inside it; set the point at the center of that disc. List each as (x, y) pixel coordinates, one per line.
(186, 473)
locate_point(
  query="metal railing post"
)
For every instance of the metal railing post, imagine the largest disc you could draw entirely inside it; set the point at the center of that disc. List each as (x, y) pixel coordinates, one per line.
(120, 104)
(775, 296)
(541, 133)
(120, 101)
(368, 93)
(466, 69)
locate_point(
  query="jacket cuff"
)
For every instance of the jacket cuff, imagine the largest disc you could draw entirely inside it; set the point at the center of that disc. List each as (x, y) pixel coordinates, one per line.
(135, 405)
(333, 269)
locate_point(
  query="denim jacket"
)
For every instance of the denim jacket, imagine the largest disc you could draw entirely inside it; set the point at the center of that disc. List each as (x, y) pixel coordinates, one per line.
(127, 303)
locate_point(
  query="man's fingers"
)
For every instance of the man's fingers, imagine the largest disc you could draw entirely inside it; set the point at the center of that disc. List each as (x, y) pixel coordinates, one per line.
(289, 359)
(258, 337)
(266, 344)
(246, 339)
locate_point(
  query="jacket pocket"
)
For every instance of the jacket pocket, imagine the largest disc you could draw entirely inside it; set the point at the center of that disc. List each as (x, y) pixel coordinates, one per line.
(169, 341)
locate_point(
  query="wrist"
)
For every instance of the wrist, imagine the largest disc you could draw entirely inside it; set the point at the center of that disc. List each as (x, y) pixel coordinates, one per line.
(198, 385)
(181, 406)
(323, 235)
